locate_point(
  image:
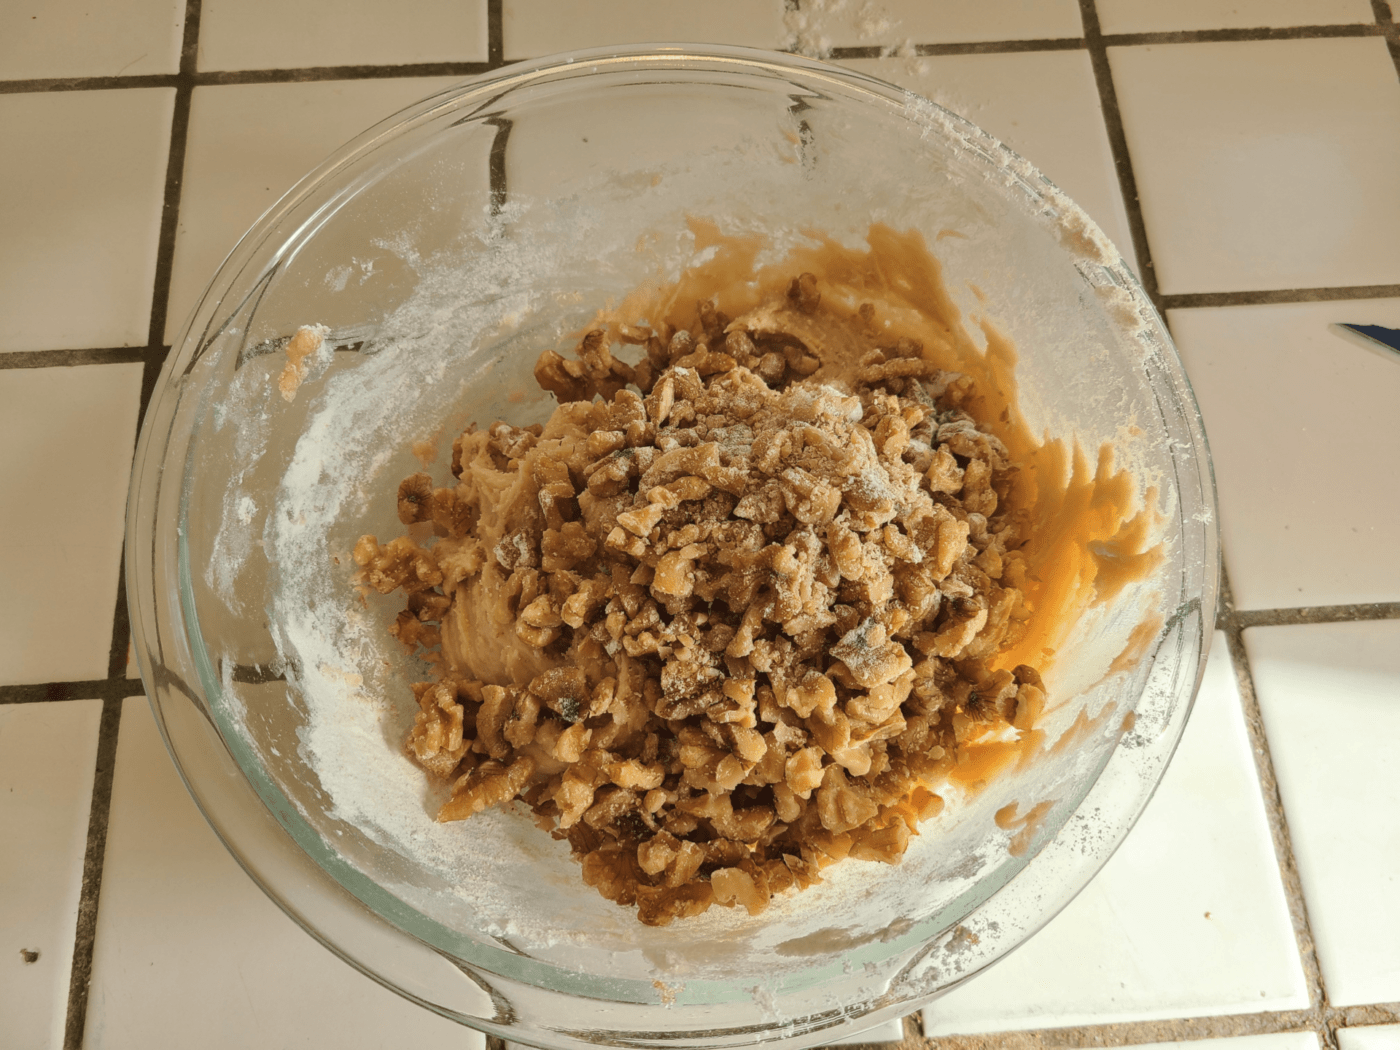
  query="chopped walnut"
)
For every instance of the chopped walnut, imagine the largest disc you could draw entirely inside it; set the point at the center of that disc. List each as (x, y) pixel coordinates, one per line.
(727, 617)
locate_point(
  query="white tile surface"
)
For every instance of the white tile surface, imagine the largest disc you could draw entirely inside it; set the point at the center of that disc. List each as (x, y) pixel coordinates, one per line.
(66, 441)
(47, 755)
(280, 34)
(1269, 1041)
(82, 182)
(77, 38)
(1187, 919)
(187, 943)
(249, 144)
(1043, 105)
(1301, 424)
(1330, 697)
(1265, 164)
(1154, 16)
(535, 28)
(816, 26)
(1371, 1037)
(889, 1032)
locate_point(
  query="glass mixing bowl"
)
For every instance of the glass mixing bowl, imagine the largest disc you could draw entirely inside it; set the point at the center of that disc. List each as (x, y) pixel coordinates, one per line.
(444, 248)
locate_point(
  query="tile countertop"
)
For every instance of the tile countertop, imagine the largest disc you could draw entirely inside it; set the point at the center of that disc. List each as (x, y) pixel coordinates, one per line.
(1246, 157)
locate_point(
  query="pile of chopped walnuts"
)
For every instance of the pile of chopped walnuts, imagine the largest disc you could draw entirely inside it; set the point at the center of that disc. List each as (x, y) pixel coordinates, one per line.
(759, 598)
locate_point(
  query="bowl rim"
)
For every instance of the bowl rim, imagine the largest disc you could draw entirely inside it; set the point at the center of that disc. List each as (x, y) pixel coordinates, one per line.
(485, 89)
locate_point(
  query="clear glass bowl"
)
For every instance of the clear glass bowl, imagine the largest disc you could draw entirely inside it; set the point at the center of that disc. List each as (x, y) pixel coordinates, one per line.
(444, 247)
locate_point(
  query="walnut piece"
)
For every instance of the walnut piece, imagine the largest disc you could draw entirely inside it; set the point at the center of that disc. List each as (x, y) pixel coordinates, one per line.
(754, 586)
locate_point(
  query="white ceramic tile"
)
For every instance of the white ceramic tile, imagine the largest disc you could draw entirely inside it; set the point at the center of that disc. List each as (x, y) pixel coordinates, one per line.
(1371, 1037)
(249, 144)
(1187, 919)
(77, 38)
(816, 26)
(187, 943)
(47, 755)
(1154, 16)
(66, 441)
(82, 182)
(1268, 1041)
(889, 1032)
(281, 34)
(534, 28)
(1265, 164)
(1301, 424)
(1043, 105)
(1330, 697)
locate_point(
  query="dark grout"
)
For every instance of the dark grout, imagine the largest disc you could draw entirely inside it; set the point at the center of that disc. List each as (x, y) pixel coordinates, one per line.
(57, 692)
(1118, 144)
(93, 856)
(154, 354)
(979, 47)
(174, 178)
(1247, 618)
(113, 355)
(1386, 22)
(495, 34)
(1131, 1033)
(495, 56)
(118, 686)
(1278, 826)
(1134, 1033)
(121, 627)
(209, 78)
(1220, 36)
(46, 84)
(1180, 301)
(1196, 300)
(365, 72)
(1230, 622)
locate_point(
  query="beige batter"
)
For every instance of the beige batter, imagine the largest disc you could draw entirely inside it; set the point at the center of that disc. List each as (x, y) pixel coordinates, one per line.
(735, 613)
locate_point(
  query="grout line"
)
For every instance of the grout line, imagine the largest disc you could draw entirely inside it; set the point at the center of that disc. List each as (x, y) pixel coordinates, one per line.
(495, 56)
(1386, 22)
(1196, 300)
(987, 47)
(45, 84)
(155, 352)
(1180, 301)
(1278, 827)
(209, 78)
(1131, 1033)
(93, 856)
(495, 34)
(1231, 623)
(314, 73)
(1118, 143)
(112, 355)
(174, 179)
(1247, 618)
(53, 692)
(121, 628)
(118, 685)
(1217, 36)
